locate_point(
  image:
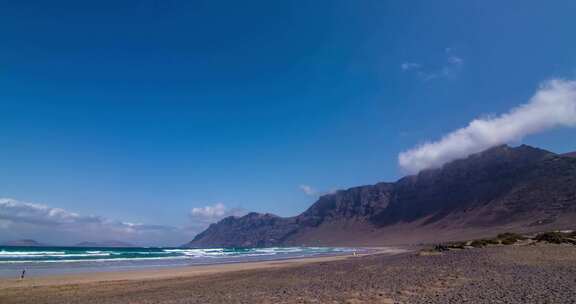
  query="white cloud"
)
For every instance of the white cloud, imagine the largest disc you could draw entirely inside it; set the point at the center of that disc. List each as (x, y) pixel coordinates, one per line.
(23, 220)
(454, 60)
(553, 105)
(451, 68)
(217, 210)
(214, 213)
(54, 225)
(308, 190)
(13, 210)
(408, 66)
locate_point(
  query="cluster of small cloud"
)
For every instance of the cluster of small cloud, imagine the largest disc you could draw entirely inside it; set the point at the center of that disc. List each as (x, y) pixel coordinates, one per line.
(21, 219)
(451, 68)
(214, 213)
(310, 191)
(410, 66)
(553, 105)
(58, 226)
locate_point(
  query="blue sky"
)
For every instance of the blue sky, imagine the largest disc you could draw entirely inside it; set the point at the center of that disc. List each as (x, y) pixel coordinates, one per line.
(140, 111)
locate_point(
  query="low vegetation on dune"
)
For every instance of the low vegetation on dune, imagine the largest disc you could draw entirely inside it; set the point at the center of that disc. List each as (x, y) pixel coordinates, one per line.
(508, 238)
(557, 237)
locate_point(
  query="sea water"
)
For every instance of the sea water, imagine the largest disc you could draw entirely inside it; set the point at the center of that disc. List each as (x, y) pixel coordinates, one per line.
(61, 260)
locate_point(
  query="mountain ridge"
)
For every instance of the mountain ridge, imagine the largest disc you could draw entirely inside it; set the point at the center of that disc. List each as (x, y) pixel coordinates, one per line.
(525, 188)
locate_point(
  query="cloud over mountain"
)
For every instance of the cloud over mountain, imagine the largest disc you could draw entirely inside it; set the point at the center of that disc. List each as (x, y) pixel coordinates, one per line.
(553, 105)
(213, 213)
(308, 190)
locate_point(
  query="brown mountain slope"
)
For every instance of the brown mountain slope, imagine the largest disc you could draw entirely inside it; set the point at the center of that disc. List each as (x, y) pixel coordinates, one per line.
(501, 189)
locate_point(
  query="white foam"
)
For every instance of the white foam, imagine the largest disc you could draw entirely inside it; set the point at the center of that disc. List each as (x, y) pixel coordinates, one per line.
(117, 255)
(4, 252)
(90, 260)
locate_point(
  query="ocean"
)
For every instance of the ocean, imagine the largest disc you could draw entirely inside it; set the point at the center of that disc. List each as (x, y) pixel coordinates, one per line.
(63, 260)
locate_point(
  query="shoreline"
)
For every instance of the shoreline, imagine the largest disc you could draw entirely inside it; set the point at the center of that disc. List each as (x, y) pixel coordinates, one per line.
(171, 272)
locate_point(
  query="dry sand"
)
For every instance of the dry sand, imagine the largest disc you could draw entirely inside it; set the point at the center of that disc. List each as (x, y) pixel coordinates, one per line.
(161, 273)
(503, 274)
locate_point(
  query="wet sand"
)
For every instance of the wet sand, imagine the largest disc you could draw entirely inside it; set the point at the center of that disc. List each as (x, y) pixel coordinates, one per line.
(501, 274)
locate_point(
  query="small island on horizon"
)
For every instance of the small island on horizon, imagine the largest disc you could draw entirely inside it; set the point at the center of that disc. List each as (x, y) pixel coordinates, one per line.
(33, 243)
(23, 243)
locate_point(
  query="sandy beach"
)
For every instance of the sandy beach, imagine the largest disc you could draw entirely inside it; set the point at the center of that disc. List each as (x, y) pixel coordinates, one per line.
(164, 273)
(506, 274)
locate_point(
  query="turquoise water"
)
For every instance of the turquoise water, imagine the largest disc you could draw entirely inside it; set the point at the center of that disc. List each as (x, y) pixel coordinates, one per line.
(59, 260)
(76, 254)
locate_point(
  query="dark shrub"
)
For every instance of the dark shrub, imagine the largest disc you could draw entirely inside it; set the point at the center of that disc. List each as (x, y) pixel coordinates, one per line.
(479, 243)
(508, 241)
(457, 245)
(554, 237)
(493, 241)
(441, 248)
(510, 236)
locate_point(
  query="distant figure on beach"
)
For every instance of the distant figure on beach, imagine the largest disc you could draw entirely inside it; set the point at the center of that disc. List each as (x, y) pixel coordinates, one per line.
(23, 274)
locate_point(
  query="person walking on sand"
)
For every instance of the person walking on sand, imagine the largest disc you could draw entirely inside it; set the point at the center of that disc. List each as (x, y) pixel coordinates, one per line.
(23, 274)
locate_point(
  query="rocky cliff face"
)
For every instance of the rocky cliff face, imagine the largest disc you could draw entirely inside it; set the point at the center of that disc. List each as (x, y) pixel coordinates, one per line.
(251, 230)
(464, 184)
(500, 187)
